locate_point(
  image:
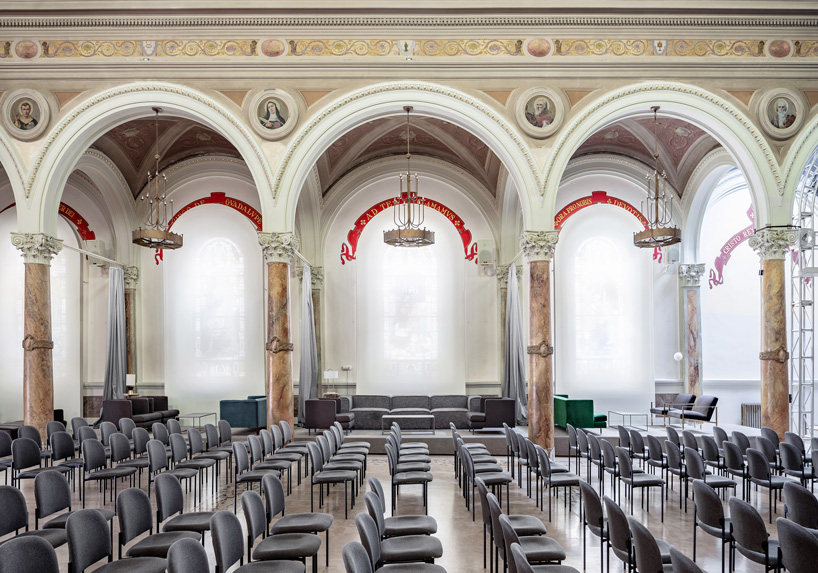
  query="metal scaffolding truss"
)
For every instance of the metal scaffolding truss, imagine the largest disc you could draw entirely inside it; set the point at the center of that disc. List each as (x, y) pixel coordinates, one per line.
(802, 321)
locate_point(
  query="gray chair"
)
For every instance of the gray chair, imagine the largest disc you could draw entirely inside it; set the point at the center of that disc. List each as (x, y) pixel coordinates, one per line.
(51, 427)
(793, 465)
(553, 480)
(5, 454)
(584, 451)
(708, 514)
(711, 455)
(770, 452)
(798, 442)
(133, 510)
(673, 438)
(52, 494)
(735, 465)
(593, 521)
(694, 464)
(127, 426)
(268, 455)
(228, 547)
(404, 524)
(158, 464)
(174, 427)
(407, 549)
(625, 438)
(720, 436)
(646, 551)
(374, 509)
(14, 517)
(322, 478)
(28, 555)
(537, 549)
(610, 466)
(33, 433)
(799, 547)
(26, 461)
(242, 474)
(408, 478)
(170, 500)
(94, 468)
(359, 444)
(181, 459)
(639, 481)
(64, 453)
(356, 560)
(518, 563)
(187, 556)
(639, 450)
(595, 457)
(676, 467)
(295, 522)
(283, 547)
(758, 469)
(282, 453)
(657, 459)
(682, 563)
(121, 456)
(750, 535)
(493, 479)
(88, 543)
(106, 430)
(801, 506)
(689, 441)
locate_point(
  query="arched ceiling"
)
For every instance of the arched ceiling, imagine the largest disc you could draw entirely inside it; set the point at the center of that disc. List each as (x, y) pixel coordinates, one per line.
(132, 145)
(681, 145)
(429, 137)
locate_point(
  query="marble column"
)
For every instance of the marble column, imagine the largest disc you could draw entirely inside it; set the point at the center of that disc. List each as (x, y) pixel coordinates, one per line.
(131, 279)
(538, 249)
(317, 287)
(278, 250)
(690, 280)
(772, 247)
(502, 284)
(38, 371)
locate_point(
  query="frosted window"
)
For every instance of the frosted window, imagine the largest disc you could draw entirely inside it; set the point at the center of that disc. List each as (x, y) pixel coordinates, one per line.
(220, 310)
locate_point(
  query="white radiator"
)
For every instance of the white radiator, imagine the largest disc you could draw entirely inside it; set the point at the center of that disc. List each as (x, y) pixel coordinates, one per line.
(751, 415)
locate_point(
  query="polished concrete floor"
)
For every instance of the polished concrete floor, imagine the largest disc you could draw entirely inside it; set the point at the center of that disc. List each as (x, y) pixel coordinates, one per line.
(461, 537)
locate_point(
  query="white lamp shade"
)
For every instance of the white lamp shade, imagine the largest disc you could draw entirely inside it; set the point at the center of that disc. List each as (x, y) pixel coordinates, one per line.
(330, 374)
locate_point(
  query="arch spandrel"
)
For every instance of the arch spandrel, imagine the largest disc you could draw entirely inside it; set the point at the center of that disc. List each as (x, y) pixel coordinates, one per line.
(16, 172)
(719, 117)
(382, 100)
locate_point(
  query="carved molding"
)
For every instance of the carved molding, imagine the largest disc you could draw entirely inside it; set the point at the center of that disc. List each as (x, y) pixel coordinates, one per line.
(278, 247)
(131, 277)
(502, 274)
(772, 244)
(690, 275)
(30, 343)
(317, 278)
(277, 345)
(539, 245)
(542, 349)
(780, 354)
(36, 248)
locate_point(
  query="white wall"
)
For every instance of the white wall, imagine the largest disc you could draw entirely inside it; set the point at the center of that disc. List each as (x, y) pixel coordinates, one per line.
(12, 281)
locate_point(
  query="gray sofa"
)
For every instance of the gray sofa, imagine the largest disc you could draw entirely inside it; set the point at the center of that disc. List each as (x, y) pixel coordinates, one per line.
(369, 409)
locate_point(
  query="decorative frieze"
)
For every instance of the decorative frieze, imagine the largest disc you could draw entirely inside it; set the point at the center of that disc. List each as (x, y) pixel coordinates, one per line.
(690, 275)
(278, 247)
(36, 247)
(539, 245)
(773, 243)
(131, 277)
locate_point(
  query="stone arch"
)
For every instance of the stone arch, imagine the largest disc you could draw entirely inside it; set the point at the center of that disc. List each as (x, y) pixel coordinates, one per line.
(723, 120)
(387, 99)
(80, 127)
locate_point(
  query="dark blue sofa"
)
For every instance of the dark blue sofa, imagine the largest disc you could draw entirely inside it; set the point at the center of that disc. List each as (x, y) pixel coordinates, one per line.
(249, 413)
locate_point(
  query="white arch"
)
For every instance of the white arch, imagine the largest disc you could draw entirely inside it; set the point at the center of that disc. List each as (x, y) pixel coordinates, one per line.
(15, 171)
(388, 99)
(79, 128)
(797, 158)
(720, 118)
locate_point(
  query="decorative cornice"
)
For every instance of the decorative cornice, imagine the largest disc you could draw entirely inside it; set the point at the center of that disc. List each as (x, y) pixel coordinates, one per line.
(690, 275)
(772, 243)
(131, 277)
(539, 245)
(36, 248)
(278, 247)
(502, 274)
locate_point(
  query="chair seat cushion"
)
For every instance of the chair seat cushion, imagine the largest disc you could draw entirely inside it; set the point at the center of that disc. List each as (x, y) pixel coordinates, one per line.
(495, 478)
(365, 445)
(758, 557)
(158, 544)
(526, 525)
(719, 481)
(302, 523)
(413, 467)
(59, 521)
(410, 548)
(414, 458)
(344, 465)
(256, 475)
(110, 473)
(277, 465)
(272, 567)
(197, 464)
(412, 568)
(193, 521)
(31, 474)
(287, 546)
(289, 456)
(184, 473)
(55, 537)
(334, 476)
(410, 525)
(542, 549)
(136, 565)
(487, 468)
(477, 417)
(411, 477)
(564, 479)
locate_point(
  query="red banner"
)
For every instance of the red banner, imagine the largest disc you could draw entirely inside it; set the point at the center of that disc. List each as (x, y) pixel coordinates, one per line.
(348, 250)
(716, 274)
(80, 222)
(222, 199)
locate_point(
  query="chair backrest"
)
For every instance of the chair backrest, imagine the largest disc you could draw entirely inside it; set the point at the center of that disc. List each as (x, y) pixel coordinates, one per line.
(317, 460)
(241, 461)
(373, 507)
(187, 556)
(254, 514)
(654, 448)
(228, 546)
(619, 532)
(160, 432)
(323, 443)
(178, 447)
(674, 456)
(278, 437)
(625, 467)
(157, 456)
(376, 488)
(25, 453)
(51, 493)
(392, 458)
(802, 506)
(51, 427)
(791, 458)
(5, 444)
(749, 530)
(624, 437)
(689, 440)
(31, 433)
(694, 464)
(519, 559)
(709, 509)
(174, 427)
(133, 509)
(120, 448)
(594, 449)
(582, 442)
(509, 535)
(637, 442)
(86, 433)
(141, 437)
(705, 405)
(170, 499)
(483, 491)
(15, 513)
(710, 451)
(28, 555)
(212, 436)
(795, 440)
(496, 528)
(572, 435)
(533, 461)
(608, 455)
(76, 424)
(368, 532)
(93, 455)
(648, 556)
(767, 448)
(88, 539)
(356, 559)
(266, 442)
(592, 504)
(127, 426)
(62, 446)
(673, 437)
(255, 450)
(468, 461)
(543, 462)
(732, 456)
(799, 547)
(757, 465)
(286, 431)
(274, 494)
(194, 442)
(225, 432)
(720, 436)
(682, 563)
(771, 435)
(741, 440)
(106, 429)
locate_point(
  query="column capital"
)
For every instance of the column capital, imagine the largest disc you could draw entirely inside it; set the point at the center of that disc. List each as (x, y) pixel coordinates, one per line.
(690, 275)
(502, 273)
(278, 247)
(131, 277)
(36, 247)
(773, 243)
(317, 277)
(539, 245)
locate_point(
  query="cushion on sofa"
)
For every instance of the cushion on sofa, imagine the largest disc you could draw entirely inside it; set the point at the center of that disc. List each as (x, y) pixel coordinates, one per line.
(249, 413)
(371, 401)
(410, 402)
(449, 401)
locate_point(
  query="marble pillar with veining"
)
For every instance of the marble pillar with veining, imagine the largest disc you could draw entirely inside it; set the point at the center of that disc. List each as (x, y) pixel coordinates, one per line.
(317, 286)
(502, 283)
(131, 280)
(690, 280)
(772, 247)
(38, 370)
(538, 249)
(278, 250)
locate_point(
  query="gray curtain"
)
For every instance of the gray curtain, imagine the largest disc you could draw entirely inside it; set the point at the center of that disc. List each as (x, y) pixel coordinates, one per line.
(308, 372)
(514, 366)
(116, 366)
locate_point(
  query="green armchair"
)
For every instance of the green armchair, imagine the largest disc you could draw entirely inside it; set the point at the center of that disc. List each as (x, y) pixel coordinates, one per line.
(578, 413)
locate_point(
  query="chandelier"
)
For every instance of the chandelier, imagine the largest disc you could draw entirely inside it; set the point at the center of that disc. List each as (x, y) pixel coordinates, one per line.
(156, 234)
(408, 208)
(657, 209)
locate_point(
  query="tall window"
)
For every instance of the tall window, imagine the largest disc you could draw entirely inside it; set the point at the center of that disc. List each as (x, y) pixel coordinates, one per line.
(219, 311)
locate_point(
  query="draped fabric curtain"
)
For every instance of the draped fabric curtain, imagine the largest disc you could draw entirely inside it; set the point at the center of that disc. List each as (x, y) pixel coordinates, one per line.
(514, 365)
(116, 366)
(308, 373)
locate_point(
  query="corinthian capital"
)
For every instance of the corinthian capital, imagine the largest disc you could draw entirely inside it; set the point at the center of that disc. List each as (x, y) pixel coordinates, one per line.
(773, 243)
(317, 277)
(691, 275)
(131, 277)
(36, 248)
(539, 245)
(502, 273)
(278, 247)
